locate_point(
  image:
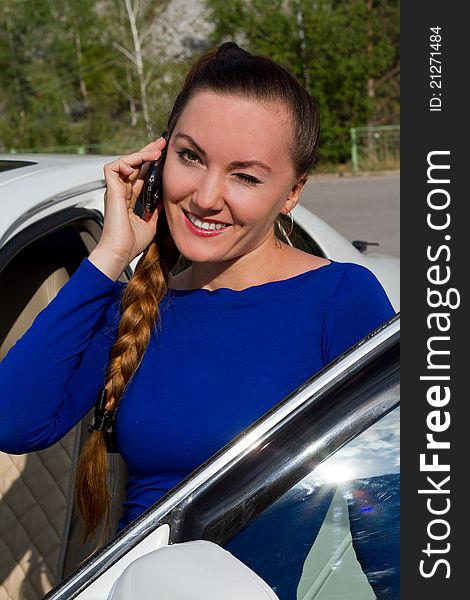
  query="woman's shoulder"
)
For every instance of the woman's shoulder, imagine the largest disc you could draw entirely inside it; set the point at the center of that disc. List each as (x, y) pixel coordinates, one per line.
(338, 274)
(297, 262)
(351, 274)
(335, 281)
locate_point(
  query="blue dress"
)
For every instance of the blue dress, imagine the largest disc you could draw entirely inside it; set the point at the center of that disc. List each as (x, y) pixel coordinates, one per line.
(221, 360)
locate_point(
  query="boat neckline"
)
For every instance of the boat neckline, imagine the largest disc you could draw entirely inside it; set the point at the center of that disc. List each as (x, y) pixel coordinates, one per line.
(252, 288)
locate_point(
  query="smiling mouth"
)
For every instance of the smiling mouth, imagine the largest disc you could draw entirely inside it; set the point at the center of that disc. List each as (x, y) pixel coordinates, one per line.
(207, 224)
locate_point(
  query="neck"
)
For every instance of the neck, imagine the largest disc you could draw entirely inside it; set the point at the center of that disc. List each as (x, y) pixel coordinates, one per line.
(258, 266)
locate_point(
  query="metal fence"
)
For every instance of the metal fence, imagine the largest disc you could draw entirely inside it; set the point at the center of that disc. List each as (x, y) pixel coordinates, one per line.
(375, 147)
(372, 148)
(75, 149)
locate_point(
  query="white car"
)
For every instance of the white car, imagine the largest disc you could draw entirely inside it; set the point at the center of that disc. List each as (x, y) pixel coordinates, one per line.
(51, 218)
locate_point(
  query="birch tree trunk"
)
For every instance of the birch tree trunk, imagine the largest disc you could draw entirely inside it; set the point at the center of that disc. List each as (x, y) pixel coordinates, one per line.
(132, 11)
(78, 48)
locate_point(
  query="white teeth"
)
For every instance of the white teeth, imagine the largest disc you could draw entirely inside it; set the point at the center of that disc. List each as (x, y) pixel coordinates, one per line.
(204, 224)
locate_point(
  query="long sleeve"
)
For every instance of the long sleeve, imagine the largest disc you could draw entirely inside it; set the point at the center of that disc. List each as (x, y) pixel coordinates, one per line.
(358, 306)
(51, 376)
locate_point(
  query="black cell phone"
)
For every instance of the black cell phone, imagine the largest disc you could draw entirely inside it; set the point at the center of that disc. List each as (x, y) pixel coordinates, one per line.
(152, 190)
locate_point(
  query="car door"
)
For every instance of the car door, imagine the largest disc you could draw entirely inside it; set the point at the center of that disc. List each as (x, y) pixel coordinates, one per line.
(284, 496)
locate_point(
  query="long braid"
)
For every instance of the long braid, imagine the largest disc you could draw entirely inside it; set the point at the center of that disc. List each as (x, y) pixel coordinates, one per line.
(140, 314)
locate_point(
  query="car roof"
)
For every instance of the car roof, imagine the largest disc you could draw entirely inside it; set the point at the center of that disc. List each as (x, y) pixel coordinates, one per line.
(46, 169)
(44, 177)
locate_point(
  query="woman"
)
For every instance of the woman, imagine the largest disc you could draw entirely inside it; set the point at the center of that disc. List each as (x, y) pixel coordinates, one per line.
(191, 358)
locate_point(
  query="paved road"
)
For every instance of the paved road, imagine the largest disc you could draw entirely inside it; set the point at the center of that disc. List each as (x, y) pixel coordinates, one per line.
(361, 208)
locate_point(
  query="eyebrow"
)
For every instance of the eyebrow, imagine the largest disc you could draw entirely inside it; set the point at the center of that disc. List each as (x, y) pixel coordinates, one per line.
(236, 164)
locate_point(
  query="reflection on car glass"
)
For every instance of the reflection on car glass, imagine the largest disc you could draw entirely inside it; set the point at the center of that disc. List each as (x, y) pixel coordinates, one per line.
(339, 524)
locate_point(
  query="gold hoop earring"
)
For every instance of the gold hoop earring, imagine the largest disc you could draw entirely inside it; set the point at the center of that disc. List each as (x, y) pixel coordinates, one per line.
(281, 228)
(291, 224)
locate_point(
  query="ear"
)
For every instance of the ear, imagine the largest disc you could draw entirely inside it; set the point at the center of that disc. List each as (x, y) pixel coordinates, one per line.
(294, 194)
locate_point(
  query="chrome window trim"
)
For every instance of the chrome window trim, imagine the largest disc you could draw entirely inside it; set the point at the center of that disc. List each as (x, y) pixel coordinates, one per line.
(44, 227)
(47, 203)
(350, 362)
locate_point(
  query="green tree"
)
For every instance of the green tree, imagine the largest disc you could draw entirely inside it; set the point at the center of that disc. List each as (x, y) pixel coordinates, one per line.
(339, 50)
(51, 55)
(72, 73)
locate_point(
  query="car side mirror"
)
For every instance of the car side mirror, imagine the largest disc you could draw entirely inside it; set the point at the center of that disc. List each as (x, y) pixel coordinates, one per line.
(199, 570)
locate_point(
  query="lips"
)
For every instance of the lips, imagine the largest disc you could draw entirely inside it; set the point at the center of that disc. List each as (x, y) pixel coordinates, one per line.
(186, 212)
(201, 232)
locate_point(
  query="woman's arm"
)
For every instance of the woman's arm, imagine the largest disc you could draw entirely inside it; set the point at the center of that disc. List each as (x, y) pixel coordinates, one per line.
(51, 376)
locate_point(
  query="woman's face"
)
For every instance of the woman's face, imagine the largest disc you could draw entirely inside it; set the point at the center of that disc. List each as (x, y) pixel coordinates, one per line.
(227, 166)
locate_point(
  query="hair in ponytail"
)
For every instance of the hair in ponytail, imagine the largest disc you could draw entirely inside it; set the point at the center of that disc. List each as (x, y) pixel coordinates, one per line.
(227, 70)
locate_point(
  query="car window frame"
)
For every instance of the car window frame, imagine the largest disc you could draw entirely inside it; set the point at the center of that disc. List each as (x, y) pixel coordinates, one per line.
(378, 348)
(64, 217)
(17, 242)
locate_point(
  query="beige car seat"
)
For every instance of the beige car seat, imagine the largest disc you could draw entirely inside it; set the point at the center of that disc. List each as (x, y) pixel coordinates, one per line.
(41, 534)
(35, 488)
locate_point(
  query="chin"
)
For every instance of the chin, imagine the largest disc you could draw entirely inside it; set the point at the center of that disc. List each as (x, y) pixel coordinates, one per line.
(201, 255)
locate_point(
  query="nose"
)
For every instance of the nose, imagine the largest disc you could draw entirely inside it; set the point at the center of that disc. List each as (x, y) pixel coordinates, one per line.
(208, 194)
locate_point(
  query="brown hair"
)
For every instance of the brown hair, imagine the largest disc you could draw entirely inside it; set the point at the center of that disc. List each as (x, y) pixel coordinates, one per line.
(228, 70)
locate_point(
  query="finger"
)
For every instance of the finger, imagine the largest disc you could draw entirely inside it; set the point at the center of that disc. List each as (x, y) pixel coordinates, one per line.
(117, 184)
(150, 149)
(118, 167)
(137, 190)
(137, 159)
(150, 152)
(159, 143)
(142, 172)
(138, 179)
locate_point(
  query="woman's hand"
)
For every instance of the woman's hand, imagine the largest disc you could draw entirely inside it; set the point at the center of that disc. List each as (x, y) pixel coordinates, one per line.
(125, 235)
